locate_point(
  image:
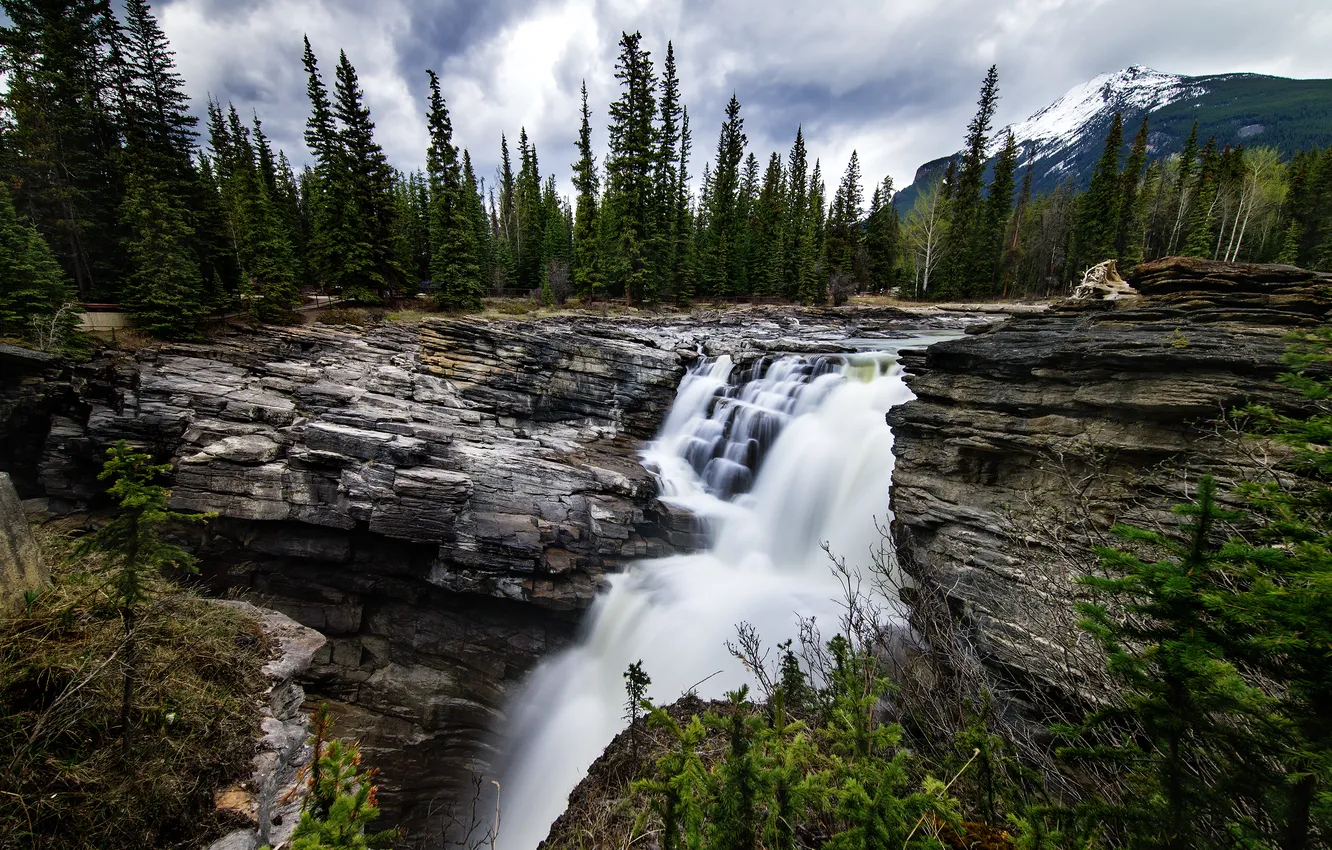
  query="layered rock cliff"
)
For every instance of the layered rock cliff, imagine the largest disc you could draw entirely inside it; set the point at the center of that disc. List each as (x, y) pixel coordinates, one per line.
(1027, 442)
(441, 501)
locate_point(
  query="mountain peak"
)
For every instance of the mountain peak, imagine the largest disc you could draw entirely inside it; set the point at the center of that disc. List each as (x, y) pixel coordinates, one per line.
(1136, 88)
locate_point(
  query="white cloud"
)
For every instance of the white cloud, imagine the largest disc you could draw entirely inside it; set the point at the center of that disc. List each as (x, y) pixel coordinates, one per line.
(894, 80)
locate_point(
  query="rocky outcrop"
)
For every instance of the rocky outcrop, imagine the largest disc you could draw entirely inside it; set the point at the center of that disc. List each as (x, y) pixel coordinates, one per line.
(270, 799)
(441, 501)
(21, 566)
(1025, 443)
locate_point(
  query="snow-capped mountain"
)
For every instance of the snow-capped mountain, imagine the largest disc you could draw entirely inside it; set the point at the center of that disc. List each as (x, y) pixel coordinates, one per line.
(1063, 140)
(1087, 106)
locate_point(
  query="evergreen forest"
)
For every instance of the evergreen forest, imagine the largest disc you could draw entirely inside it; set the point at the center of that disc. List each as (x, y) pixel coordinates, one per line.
(119, 194)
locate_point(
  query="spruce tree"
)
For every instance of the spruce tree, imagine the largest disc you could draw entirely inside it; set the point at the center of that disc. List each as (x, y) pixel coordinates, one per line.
(883, 238)
(1128, 241)
(1166, 640)
(160, 122)
(1184, 191)
(474, 210)
(1098, 208)
(798, 257)
(164, 295)
(455, 264)
(685, 250)
(60, 93)
(769, 251)
(268, 267)
(814, 280)
(666, 245)
(1198, 227)
(844, 231)
(365, 186)
(721, 260)
(633, 151)
(531, 217)
(966, 262)
(586, 272)
(32, 283)
(998, 212)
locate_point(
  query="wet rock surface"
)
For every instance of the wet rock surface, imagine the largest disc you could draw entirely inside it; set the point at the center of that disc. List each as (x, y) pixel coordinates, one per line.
(441, 501)
(1041, 432)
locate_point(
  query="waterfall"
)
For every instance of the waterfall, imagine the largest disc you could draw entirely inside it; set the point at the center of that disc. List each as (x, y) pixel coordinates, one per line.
(775, 462)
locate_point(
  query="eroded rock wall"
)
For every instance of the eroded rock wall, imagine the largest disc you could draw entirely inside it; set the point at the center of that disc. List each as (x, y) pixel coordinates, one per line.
(1025, 443)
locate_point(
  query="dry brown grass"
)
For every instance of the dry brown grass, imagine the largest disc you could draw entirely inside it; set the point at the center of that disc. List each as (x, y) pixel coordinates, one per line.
(64, 780)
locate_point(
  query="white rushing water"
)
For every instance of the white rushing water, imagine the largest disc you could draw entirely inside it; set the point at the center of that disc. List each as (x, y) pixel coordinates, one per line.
(775, 465)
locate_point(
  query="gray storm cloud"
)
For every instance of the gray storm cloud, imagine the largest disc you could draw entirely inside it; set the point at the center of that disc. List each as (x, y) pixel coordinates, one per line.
(896, 81)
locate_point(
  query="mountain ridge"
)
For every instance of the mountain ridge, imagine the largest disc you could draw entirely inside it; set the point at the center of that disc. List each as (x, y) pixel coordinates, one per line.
(1063, 140)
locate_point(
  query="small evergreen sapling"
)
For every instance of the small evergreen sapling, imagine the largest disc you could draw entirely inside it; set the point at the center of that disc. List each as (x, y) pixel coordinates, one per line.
(635, 687)
(132, 545)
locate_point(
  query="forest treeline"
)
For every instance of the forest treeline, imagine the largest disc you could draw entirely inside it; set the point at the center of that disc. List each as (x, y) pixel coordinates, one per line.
(117, 194)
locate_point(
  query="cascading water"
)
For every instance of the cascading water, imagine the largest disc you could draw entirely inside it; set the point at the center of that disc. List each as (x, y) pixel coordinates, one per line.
(775, 463)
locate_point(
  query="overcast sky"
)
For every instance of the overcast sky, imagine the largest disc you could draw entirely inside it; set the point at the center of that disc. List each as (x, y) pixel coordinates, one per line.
(896, 81)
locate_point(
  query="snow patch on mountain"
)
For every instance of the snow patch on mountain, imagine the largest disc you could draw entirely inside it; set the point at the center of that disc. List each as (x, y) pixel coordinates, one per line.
(1134, 89)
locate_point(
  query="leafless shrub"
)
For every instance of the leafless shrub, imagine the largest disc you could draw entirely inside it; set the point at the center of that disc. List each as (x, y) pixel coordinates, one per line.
(557, 272)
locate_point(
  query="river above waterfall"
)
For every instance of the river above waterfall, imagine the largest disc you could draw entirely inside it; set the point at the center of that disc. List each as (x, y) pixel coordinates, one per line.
(776, 460)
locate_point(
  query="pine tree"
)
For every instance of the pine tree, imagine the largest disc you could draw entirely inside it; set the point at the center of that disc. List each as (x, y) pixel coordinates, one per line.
(1098, 209)
(998, 212)
(365, 187)
(32, 283)
(160, 125)
(164, 295)
(1198, 228)
(59, 96)
(844, 231)
(633, 150)
(966, 262)
(720, 260)
(1128, 241)
(798, 257)
(769, 251)
(586, 264)
(883, 238)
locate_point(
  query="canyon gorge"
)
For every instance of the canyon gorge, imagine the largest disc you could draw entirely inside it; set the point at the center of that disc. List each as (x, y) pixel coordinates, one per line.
(445, 501)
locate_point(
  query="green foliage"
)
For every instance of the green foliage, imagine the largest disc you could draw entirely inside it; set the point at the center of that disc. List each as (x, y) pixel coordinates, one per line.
(779, 782)
(31, 282)
(164, 295)
(342, 799)
(132, 546)
(68, 783)
(636, 683)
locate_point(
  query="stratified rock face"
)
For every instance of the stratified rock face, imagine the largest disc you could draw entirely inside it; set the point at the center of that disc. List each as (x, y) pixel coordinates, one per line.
(439, 503)
(21, 566)
(1009, 424)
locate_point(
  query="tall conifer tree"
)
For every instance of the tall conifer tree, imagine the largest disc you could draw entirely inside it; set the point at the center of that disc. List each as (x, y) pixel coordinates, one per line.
(633, 151)
(586, 273)
(1128, 241)
(1098, 208)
